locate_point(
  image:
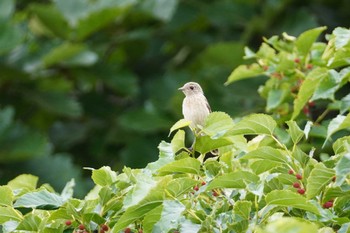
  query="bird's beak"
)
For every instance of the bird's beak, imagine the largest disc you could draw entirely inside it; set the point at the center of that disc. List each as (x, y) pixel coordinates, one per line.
(181, 88)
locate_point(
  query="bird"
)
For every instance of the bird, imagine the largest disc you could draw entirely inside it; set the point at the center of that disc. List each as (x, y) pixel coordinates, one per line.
(195, 106)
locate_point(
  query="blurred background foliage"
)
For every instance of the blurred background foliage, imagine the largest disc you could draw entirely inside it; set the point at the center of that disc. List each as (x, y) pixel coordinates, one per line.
(86, 83)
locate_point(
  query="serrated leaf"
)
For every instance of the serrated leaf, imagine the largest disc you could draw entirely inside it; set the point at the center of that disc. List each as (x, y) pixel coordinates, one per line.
(244, 72)
(179, 124)
(287, 198)
(217, 124)
(39, 200)
(237, 179)
(306, 39)
(294, 131)
(104, 176)
(307, 89)
(8, 213)
(319, 177)
(186, 165)
(255, 124)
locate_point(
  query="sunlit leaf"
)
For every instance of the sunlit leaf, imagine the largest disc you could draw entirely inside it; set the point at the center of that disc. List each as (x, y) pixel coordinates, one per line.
(187, 165)
(255, 124)
(244, 72)
(306, 39)
(237, 179)
(104, 176)
(40, 200)
(288, 198)
(294, 131)
(319, 177)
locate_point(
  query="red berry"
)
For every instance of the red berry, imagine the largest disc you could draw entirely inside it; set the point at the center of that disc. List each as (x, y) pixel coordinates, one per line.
(68, 222)
(306, 110)
(297, 60)
(265, 68)
(298, 176)
(203, 183)
(296, 185)
(196, 188)
(102, 231)
(127, 230)
(291, 172)
(309, 66)
(104, 227)
(81, 227)
(328, 204)
(301, 191)
(215, 194)
(140, 231)
(334, 178)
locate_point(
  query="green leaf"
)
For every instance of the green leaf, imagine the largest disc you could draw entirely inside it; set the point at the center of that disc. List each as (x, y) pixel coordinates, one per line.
(238, 179)
(171, 212)
(255, 124)
(342, 37)
(291, 225)
(9, 214)
(339, 145)
(30, 222)
(204, 144)
(151, 218)
(179, 186)
(217, 124)
(342, 168)
(307, 89)
(242, 210)
(306, 39)
(144, 184)
(287, 198)
(178, 141)
(179, 124)
(6, 9)
(186, 165)
(51, 19)
(327, 86)
(161, 9)
(62, 53)
(151, 201)
(267, 158)
(336, 124)
(319, 177)
(6, 196)
(11, 35)
(6, 118)
(39, 200)
(244, 72)
(294, 131)
(104, 176)
(275, 98)
(166, 155)
(24, 182)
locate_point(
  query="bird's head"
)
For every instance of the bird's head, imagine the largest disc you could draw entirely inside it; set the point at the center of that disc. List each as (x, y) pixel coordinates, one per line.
(191, 88)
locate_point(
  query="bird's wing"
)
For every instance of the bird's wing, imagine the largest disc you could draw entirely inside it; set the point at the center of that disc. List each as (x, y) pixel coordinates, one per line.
(208, 106)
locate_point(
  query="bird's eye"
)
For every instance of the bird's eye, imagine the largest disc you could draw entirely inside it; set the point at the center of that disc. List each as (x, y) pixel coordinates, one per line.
(191, 87)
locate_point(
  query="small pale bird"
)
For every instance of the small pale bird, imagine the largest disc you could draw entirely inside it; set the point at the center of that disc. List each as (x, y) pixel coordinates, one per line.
(195, 106)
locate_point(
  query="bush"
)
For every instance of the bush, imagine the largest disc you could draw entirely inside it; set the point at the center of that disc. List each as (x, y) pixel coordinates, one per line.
(265, 179)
